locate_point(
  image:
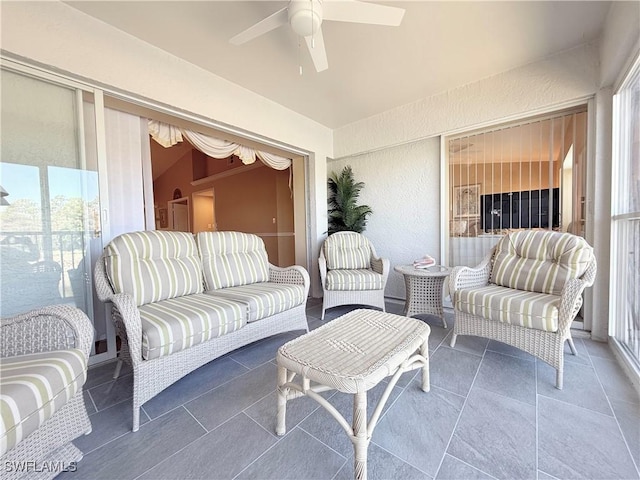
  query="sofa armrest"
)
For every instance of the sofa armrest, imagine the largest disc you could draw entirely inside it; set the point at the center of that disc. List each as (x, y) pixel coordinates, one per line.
(101, 281)
(125, 313)
(469, 277)
(295, 274)
(57, 327)
(570, 302)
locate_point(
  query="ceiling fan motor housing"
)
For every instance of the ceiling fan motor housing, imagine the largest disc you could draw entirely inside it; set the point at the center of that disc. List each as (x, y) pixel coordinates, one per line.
(305, 16)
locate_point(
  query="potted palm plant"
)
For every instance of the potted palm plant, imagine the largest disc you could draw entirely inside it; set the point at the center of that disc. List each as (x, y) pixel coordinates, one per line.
(344, 212)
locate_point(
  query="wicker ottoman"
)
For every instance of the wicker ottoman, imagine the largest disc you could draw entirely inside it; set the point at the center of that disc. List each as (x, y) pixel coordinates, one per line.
(352, 354)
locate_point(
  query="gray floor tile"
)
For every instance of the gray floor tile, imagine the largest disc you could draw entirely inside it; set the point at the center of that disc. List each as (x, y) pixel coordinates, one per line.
(419, 426)
(297, 456)
(215, 407)
(628, 416)
(88, 403)
(382, 465)
(598, 349)
(454, 469)
(262, 351)
(134, 453)
(497, 435)
(513, 377)
(222, 453)
(616, 384)
(580, 386)
(582, 356)
(505, 349)
(109, 424)
(597, 449)
(264, 412)
(325, 428)
(453, 370)
(103, 373)
(113, 392)
(439, 336)
(544, 476)
(470, 344)
(191, 386)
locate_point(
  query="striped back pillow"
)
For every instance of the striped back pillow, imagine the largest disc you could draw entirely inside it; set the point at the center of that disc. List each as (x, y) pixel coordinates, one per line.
(540, 260)
(154, 265)
(231, 259)
(347, 250)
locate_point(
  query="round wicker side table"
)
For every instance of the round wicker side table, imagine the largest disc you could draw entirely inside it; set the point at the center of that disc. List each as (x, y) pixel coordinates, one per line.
(424, 289)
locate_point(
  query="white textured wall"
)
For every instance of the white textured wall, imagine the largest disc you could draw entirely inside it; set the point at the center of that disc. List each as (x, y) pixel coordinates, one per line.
(402, 188)
(620, 40)
(554, 81)
(58, 36)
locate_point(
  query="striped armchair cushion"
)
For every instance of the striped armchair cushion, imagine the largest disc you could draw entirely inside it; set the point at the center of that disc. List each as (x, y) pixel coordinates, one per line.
(154, 265)
(516, 307)
(539, 261)
(347, 250)
(231, 259)
(179, 323)
(33, 387)
(265, 298)
(352, 280)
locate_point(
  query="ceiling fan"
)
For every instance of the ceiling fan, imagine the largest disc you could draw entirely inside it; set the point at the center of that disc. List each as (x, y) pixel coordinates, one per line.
(306, 16)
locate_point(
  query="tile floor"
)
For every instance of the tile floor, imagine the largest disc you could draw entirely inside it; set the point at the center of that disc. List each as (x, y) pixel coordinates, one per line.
(492, 412)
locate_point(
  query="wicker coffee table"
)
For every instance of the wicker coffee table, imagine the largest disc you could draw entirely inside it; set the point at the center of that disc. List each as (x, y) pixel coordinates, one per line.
(352, 354)
(424, 289)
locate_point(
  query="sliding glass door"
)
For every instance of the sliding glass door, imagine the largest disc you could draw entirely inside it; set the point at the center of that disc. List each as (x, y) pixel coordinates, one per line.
(625, 222)
(50, 213)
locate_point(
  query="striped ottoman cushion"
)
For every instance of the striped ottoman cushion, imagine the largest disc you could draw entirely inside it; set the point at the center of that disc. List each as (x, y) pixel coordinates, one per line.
(264, 299)
(230, 259)
(33, 387)
(539, 260)
(179, 323)
(361, 279)
(517, 307)
(347, 250)
(154, 265)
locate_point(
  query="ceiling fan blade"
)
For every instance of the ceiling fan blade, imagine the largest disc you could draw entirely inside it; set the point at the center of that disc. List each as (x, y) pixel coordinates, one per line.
(263, 26)
(362, 12)
(318, 53)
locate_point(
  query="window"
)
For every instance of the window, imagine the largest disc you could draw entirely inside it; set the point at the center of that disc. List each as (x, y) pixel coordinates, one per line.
(529, 174)
(625, 220)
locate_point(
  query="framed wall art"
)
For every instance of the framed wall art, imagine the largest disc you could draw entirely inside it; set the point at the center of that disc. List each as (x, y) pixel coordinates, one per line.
(466, 201)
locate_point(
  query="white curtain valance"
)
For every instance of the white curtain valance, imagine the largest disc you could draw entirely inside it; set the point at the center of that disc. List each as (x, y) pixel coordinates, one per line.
(168, 135)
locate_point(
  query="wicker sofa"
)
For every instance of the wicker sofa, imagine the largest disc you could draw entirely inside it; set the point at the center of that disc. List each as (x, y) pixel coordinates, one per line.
(525, 293)
(180, 301)
(44, 367)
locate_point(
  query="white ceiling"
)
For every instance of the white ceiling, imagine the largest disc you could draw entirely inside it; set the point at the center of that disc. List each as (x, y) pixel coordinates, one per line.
(439, 46)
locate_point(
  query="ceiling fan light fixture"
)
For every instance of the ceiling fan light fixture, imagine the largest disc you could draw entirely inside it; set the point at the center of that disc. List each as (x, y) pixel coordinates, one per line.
(305, 17)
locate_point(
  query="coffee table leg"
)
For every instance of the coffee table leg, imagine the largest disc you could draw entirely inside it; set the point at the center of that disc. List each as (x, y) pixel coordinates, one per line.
(426, 382)
(360, 440)
(281, 427)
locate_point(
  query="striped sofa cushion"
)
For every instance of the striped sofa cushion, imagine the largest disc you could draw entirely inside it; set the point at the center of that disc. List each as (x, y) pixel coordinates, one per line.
(33, 387)
(347, 250)
(230, 259)
(175, 324)
(154, 265)
(539, 260)
(516, 307)
(359, 279)
(265, 298)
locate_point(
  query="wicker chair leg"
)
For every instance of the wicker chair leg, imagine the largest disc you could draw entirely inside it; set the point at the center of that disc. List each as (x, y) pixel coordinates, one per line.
(136, 419)
(559, 377)
(572, 346)
(453, 340)
(116, 372)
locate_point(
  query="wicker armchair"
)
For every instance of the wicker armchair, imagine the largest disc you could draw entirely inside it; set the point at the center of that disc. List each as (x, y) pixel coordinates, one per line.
(351, 272)
(525, 293)
(48, 348)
